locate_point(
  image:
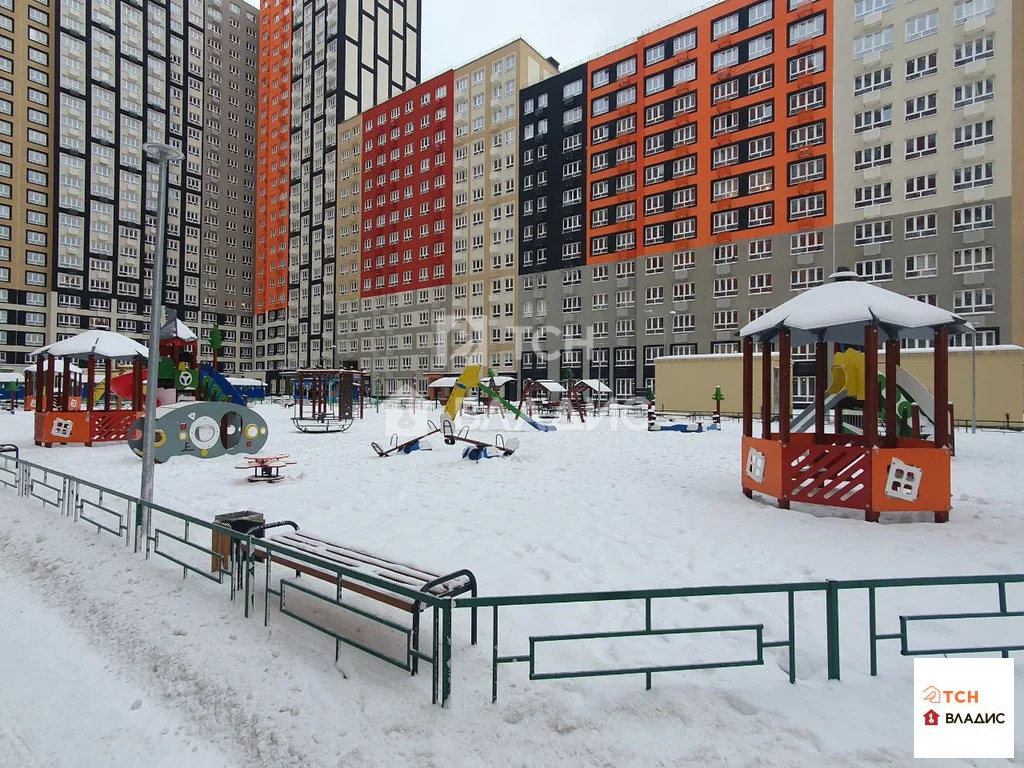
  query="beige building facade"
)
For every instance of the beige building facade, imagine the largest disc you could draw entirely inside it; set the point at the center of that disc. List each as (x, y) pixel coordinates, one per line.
(926, 137)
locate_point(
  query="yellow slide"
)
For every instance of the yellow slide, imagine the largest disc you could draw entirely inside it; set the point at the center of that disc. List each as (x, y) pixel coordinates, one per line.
(469, 379)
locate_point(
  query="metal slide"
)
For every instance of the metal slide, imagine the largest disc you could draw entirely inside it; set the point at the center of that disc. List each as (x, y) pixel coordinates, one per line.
(805, 420)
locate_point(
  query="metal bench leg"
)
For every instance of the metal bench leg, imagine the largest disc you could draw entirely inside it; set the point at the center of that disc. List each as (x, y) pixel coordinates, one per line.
(416, 637)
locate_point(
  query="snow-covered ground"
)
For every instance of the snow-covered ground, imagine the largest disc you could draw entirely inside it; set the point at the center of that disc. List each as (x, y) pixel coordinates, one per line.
(95, 629)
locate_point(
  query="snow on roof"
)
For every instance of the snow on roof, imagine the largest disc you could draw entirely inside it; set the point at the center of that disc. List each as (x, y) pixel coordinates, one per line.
(499, 381)
(244, 382)
(551, 386)
(444, 382)
(597, 385)
(102, 344)
(178, 331)
(838, 312)
(8, 376)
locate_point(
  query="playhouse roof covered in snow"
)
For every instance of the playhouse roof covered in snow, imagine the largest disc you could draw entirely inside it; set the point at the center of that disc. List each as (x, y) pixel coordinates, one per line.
(175, 329)
(837, 312)
(596, 385)
(102, 344)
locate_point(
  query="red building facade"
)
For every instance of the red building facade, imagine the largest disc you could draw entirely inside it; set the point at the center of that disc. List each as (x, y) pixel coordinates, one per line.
(407, 181)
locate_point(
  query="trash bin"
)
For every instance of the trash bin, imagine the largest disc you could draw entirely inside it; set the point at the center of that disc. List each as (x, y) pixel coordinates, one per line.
(243, 522)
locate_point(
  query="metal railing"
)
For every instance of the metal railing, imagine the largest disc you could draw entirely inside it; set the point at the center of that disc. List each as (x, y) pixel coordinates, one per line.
(829, 589)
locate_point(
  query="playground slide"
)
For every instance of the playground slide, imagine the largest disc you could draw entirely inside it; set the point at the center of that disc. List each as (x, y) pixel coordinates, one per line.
(470, 378)
(535, 424)
(916, 392)
(215, 387)
(805, 419)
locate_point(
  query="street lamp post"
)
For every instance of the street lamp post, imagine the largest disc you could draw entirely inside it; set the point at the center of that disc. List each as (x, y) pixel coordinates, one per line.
(163, 154)
(974, 381)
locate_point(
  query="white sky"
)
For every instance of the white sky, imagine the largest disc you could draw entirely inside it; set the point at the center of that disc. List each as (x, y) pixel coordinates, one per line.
(456, 31)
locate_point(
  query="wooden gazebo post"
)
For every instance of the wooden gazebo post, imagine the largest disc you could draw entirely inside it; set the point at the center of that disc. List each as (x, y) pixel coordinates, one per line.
(65, 393)
(766, 390)
(785, 409)
(892, 392)
(785, 384)
(51, 402)
(941, 375)
(38, 384)
(870, 386)
(137, 383)
(820, 385)
(748, 387)
(108, 367)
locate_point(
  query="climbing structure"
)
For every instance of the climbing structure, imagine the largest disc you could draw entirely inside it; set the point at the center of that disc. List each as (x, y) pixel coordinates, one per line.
(57, 393)
(325, 399)
(881, 469)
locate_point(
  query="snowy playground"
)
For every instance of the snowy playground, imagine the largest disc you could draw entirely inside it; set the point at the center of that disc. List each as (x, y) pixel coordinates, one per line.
(146, 666)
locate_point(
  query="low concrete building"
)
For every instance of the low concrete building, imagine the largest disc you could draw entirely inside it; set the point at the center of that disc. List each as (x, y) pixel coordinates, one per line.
(685, 383)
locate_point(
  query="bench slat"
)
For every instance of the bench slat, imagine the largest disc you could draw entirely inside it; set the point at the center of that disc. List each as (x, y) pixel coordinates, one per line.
(401, 574)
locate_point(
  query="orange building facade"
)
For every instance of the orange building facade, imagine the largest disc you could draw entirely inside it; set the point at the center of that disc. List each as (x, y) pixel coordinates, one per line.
(711, 129)
(272, 173)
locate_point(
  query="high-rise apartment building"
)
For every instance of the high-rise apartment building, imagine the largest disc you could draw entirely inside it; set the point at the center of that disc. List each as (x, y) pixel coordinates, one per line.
(706, 145)
(927, 152)
(348, 223)
(552, 190)
(273, 180)
(439, 202)
(346, 58)
(486, 204)
(185, 74)
(26, 167)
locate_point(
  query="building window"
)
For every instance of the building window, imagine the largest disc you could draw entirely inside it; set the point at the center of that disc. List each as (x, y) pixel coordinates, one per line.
(922, 265)
(874, 270)
(922, 225)
(973, 134)
(922, 66)
(974, 301)
(806, 29)
(923, 25)
(872, 232)
(980, 259)
(873, 42)
(974, 217)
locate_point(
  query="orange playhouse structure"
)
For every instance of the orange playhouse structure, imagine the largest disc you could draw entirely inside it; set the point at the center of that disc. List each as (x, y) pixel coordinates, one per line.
(57, 392)
(880, 470)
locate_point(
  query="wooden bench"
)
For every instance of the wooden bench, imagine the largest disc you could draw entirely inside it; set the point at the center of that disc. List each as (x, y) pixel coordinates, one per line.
(333, 554)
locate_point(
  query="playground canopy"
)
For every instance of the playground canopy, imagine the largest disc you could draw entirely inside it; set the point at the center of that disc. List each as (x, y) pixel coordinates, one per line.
(101, 344)
(175, 329)
(551, 386)
(837, 312)
(596, 385)
(244, 382)
(6, 377)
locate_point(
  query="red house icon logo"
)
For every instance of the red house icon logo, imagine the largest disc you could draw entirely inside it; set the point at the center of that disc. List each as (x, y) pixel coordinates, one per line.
(931, 717)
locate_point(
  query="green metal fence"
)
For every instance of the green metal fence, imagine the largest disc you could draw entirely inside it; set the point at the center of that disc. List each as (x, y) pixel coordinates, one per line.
(185, 541)
(830, 590)
(648, 598)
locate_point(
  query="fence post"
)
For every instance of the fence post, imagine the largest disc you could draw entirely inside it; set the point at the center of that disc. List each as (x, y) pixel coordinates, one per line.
(446, 654)
(832, 628)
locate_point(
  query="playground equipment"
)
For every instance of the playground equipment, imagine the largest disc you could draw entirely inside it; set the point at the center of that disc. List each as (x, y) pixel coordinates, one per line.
(57, 394)
(469, 379)
(475, 450)
(203, 430)
(915, 407)
(324, 399)
(266, 469)
(873, 471)
(12, 388)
